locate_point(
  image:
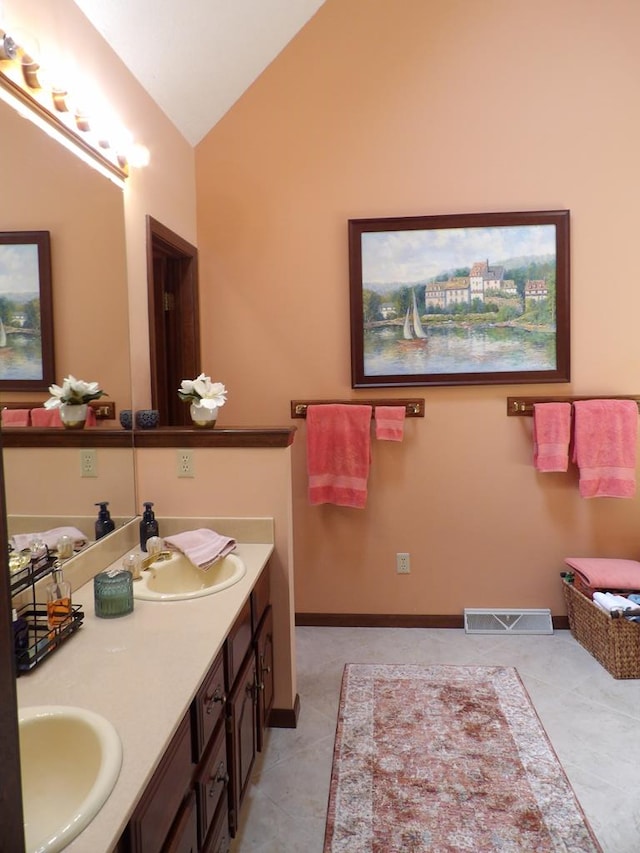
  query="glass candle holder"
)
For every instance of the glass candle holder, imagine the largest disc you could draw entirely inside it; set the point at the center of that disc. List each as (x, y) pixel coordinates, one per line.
(113, 593)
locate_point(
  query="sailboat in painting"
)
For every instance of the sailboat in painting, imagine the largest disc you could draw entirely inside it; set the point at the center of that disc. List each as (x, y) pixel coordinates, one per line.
(412, 326)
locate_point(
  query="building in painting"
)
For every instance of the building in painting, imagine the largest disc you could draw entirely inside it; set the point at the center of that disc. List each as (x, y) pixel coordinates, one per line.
(536, 290)
(482, 281)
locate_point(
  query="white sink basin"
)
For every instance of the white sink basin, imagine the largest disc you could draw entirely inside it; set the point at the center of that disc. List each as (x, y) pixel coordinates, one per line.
(70, 760)
(174, 577)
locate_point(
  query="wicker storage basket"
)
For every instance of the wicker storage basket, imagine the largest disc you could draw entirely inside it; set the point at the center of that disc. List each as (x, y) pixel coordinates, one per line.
(615, 643)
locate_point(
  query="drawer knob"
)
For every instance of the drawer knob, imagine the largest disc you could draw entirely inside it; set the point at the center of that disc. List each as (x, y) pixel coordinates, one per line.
(221, 776)
(218, 696)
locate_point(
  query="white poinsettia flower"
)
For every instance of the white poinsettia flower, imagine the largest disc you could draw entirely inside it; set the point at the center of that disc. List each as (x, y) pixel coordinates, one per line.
(202, 390)
(73, 391)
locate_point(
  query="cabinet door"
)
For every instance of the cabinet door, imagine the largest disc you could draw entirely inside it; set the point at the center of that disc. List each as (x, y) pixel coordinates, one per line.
(219, 839)
(184, 835)
(209, 707)
(212, 781)
(264, 654)
(237, 644)
(242, 729)
(164, 795)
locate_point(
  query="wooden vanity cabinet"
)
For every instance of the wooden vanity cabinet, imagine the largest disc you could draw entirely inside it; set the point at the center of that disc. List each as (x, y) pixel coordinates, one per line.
(193, 801)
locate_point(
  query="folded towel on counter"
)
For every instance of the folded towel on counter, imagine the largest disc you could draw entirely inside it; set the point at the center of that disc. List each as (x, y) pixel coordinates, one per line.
(20, 541)
(608, 601)
(605, 445)
(390, 422)
(203, 547)
(15, 417)
(338, 454)
(551, 434)
(51, 417)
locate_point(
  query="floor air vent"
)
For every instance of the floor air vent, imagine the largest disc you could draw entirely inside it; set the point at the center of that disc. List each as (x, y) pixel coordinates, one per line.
(489, 621)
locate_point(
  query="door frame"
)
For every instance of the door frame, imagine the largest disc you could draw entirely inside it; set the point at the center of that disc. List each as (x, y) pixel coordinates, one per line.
(182, 258)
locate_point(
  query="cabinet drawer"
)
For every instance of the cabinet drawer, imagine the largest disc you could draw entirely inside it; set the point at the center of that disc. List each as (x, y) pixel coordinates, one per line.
(212, 781)
(219, 840)
(184, 835)
(208, 706)
(260, 597)
(163, 797)
(238, 644)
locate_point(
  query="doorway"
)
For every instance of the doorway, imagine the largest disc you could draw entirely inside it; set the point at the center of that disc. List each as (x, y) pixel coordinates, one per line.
(174, 319)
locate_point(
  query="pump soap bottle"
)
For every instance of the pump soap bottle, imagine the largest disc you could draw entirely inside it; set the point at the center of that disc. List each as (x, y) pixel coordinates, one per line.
(148, 525)
(104, 522)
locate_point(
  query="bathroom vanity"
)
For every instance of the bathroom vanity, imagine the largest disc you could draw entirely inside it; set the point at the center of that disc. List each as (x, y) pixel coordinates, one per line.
(188, 685)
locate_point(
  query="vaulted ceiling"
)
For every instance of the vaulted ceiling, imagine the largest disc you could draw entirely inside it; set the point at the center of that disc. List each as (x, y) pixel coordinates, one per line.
(195, 58)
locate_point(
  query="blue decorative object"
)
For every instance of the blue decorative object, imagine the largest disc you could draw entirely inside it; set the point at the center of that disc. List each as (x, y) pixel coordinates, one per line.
(147, 418)
(126, 419)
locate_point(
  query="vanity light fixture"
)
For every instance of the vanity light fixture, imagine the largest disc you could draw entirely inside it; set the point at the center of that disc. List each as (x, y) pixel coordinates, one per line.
(24, 86)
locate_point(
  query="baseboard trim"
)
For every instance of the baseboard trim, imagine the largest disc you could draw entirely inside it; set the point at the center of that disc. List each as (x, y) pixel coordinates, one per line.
(285, 718)
(393, 620)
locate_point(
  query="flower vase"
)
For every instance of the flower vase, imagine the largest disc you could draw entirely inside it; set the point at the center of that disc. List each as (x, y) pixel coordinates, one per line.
(73, 416)
(202, 416)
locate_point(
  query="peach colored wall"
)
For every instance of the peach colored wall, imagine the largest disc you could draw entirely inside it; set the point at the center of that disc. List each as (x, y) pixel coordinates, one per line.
(252, 483)
(424, 107)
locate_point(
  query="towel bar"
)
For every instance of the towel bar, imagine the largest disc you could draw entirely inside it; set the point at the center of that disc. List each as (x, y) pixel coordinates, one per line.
(414, 407)
(523, 406)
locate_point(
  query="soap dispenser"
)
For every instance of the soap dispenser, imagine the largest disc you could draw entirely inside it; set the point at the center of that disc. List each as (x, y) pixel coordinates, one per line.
(148, 525)
(104, 522)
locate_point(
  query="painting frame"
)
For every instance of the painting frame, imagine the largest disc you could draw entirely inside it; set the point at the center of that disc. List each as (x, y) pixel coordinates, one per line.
(37, 269)
(537, 309)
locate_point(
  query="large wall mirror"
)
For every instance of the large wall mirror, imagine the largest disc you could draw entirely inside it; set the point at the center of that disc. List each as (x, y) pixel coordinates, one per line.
(44, 187)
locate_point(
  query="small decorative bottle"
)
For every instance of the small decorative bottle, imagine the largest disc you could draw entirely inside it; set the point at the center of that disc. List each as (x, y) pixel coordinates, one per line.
(58, 599)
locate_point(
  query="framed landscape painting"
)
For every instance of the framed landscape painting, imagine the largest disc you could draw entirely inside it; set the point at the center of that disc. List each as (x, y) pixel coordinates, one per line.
(470, 299)
(26, 316)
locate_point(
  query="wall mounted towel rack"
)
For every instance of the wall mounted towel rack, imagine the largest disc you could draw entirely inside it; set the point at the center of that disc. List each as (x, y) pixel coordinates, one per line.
(414, 407)
(522, 407)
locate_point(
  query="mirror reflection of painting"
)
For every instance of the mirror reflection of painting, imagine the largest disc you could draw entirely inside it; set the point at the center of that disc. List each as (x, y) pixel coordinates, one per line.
(24, 297)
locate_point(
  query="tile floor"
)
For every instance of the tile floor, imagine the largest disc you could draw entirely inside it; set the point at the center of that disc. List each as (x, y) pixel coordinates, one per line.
(592, 720)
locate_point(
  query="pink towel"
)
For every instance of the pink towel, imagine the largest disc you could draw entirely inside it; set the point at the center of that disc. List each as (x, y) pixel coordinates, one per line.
(202, 546)
(338, 446)
(20, 541)
(605, 444)
(51, 417)
(390, 422)
(15, 417)
(607, 572)
(551, 434)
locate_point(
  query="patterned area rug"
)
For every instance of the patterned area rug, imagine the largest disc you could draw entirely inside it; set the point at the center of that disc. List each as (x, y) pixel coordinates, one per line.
(446, 759)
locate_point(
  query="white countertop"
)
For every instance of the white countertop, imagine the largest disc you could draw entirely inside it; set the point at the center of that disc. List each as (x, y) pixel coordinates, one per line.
(141, 672)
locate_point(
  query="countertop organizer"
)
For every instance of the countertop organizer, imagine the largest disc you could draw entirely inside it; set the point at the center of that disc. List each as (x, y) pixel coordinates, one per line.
(42, 639)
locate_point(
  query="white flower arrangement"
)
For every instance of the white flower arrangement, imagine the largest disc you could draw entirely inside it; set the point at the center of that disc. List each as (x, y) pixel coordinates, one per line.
(73, 391)
(202, 391)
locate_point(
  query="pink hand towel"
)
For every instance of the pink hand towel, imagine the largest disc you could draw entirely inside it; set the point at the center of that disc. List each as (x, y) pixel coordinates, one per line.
(20, 541)
(51, 417)
(45, 418)
(551, 434)
(338, 447)
(202, 546)
(15, 417)
(605, 445)
(390, 422)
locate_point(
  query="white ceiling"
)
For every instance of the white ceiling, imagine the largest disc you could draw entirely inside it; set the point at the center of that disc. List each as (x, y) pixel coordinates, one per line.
(195, 58)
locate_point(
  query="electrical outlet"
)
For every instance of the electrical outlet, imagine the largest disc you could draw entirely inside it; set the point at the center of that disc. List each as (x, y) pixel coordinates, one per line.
(403, 565)
(185, 463)
(88, 463)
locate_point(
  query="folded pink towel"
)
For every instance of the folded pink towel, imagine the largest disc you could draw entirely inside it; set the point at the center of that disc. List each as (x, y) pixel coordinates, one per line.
(551, 434)
(607, 572)
(390, 422)
(605, 446)
(51, 417)
(202, 546)
(15, 417)
(338, 447)
(20, 541)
